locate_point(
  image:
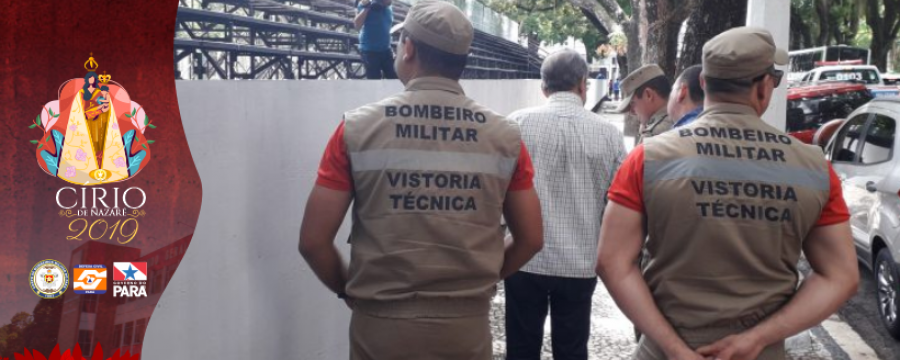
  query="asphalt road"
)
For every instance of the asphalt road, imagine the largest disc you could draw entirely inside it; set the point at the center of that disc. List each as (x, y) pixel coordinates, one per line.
(861, 313)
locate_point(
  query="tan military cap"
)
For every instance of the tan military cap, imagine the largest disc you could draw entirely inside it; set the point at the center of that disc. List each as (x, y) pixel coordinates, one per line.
(741, 53)
(634, 80)
(439, 24)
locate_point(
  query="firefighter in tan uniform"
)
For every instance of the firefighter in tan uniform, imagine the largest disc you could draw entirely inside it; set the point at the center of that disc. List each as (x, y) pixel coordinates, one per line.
(730, 203)
(646, 95)
(429, 173)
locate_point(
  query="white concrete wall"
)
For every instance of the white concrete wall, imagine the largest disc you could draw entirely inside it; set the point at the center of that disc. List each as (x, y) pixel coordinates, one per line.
(775, 16)
(242, 290)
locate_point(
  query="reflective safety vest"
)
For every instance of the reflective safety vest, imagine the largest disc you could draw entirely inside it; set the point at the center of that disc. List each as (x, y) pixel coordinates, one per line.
(430, 169)
(729, 201)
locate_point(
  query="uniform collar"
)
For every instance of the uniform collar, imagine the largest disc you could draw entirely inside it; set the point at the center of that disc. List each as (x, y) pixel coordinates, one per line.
(689, 117)
(729, 108)
(435, 83)
(565, 97)
(658, 116)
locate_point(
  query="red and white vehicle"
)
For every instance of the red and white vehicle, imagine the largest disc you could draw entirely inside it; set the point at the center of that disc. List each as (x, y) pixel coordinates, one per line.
(850, 71)
(811, 106)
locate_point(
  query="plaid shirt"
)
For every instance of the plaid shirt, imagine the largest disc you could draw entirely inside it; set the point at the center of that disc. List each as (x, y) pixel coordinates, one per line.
(576, 154)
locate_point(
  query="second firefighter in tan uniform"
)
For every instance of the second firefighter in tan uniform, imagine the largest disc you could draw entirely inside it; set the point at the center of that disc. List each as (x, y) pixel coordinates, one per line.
(729, 204)
(646, 94)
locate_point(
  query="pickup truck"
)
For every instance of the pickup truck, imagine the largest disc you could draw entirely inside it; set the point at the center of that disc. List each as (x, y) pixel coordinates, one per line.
(863, 74)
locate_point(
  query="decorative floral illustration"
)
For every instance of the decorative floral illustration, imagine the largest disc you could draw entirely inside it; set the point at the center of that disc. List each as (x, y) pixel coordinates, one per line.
(74, 354)
(80, 155)
(91, 129)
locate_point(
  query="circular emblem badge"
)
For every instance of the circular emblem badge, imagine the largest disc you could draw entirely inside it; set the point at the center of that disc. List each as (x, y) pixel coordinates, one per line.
(49, 279)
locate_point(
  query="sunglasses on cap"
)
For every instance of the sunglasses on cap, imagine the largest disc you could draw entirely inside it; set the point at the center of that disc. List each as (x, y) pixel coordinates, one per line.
(776, 75)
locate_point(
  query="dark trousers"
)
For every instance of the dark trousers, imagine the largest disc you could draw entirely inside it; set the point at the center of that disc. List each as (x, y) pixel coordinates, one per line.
(528, 298)
(379, 64)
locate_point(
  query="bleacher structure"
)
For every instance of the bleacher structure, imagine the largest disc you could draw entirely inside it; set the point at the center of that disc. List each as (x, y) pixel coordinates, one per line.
(306, 39)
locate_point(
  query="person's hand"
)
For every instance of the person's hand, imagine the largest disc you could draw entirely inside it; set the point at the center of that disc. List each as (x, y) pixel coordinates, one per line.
(685, 354)
(734, 347)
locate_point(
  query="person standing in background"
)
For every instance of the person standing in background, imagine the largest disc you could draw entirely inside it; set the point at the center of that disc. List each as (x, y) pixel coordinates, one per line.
(374, 19)
(686, 99)
(646, 91)
(576, 154)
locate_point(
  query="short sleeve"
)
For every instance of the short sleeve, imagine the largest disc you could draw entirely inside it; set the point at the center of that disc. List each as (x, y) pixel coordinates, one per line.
(334, 169)
(523, 178)
(835, 211)
(627, 188)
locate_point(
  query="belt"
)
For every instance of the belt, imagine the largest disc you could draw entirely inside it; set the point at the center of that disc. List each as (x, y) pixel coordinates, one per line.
(745, 321)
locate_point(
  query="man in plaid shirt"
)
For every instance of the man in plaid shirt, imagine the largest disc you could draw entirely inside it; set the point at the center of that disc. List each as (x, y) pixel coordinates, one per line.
(576, 154)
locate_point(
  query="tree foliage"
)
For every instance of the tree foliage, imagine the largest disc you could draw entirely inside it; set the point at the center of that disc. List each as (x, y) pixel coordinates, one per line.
(37, 331)
(864, 23)
(551, 21)
(826, 22)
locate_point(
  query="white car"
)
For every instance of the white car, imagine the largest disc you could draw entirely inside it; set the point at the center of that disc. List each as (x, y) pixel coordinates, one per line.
(863, 74)
(866, 74)
(862, 154)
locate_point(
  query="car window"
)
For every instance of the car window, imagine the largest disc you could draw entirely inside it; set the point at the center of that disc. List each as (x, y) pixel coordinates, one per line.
(846, 142)
(867, 76)
(812, 112)
(878, 145)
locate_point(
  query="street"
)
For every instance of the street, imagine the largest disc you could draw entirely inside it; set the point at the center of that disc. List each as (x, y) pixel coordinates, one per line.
(855, 332)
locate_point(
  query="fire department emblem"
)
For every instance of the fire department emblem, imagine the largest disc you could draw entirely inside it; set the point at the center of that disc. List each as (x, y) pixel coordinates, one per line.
(49, 279)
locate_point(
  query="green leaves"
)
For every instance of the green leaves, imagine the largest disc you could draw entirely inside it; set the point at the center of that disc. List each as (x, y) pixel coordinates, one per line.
(32, 126)
(33, 141)
(151, 141)
(551, 21)
(133, 111)
(52, 114)
(152, 126)
(146, 119)
(144, 146)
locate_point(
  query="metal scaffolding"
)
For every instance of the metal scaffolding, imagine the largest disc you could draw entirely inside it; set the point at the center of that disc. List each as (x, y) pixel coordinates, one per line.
(307, 39)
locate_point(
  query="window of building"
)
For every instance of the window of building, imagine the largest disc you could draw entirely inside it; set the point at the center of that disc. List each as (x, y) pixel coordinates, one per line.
(84, 341)
(89, 303)
(117, 336)
(139, 327)
(129, 331)
(156, 285)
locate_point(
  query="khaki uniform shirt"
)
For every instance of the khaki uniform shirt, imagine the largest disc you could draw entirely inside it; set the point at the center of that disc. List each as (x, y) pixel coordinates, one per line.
(431, 168)
(659, 123)
(728, 202)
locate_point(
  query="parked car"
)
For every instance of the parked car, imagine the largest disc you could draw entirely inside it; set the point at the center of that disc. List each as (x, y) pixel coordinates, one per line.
(811, 106)
(891, 79)
(863, 74)
(862, 153)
